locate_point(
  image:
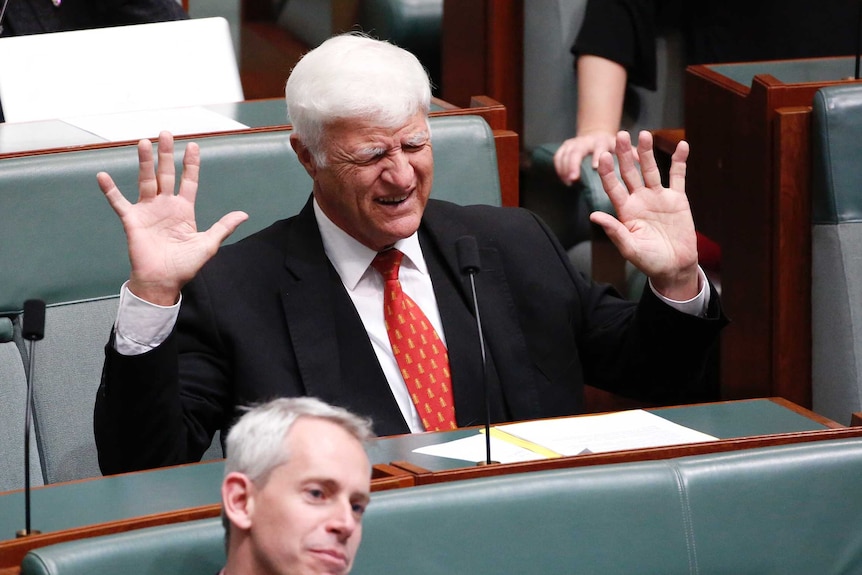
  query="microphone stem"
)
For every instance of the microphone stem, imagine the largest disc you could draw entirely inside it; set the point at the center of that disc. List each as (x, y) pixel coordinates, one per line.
(27, 423)
(858, 39)
(484, 374)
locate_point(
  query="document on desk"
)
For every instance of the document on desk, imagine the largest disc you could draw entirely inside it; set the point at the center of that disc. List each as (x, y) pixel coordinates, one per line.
(139, 124)
(634, 429)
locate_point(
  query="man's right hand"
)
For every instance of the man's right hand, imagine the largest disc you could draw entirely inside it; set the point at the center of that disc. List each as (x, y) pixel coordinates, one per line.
(165, 248)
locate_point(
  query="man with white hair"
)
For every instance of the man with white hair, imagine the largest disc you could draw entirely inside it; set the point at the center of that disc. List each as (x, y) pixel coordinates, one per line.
(314, 305)
(296, 485)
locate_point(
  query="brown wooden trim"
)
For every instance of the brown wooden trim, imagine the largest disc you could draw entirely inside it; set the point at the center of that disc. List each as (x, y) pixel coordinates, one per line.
(508, 154)
(791, 254)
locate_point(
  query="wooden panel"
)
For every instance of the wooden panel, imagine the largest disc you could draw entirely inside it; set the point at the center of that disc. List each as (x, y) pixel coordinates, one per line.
(482, 53)
(791, 282)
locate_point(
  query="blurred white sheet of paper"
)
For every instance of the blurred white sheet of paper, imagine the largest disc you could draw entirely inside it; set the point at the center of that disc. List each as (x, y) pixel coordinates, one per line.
(148, 123)
(118, 69)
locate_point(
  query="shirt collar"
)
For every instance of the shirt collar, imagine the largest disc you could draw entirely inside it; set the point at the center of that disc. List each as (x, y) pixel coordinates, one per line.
(352, 259)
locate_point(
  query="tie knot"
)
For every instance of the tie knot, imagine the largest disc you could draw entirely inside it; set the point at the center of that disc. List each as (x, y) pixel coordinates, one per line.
(387, 263)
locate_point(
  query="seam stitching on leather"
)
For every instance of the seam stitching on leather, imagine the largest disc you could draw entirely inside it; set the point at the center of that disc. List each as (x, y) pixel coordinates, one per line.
(686, 520)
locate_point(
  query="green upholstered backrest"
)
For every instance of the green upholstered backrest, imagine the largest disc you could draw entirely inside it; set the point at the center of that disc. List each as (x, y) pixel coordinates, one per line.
(602, 519)
(62, 243)
(792, 509)
(836, 125)
(189, 548)
(836, 255)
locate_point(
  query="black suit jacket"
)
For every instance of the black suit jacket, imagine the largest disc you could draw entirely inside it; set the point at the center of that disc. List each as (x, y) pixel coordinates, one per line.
(268, 317)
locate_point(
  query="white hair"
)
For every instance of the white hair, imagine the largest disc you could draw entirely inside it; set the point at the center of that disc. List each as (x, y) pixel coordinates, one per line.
(354, 76)
(255, 444)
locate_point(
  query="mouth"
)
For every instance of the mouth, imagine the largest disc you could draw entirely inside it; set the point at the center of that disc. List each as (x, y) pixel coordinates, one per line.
(332, 557)
(394, 200)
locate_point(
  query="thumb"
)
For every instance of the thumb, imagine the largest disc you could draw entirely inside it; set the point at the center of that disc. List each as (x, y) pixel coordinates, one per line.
(226, 225)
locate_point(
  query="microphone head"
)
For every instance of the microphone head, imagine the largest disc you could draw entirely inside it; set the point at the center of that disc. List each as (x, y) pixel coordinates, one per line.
(33, 327)
(468, 254)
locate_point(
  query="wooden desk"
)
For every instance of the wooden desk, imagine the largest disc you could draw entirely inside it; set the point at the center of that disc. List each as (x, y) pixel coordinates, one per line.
(748, 183)
(99, 506)
(740, 424)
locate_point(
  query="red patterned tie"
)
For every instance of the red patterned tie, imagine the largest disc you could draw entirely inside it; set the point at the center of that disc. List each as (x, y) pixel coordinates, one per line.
(421, 356)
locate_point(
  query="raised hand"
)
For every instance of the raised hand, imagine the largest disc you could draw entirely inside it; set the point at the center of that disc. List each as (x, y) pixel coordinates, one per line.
(655, 230)
(165, 248)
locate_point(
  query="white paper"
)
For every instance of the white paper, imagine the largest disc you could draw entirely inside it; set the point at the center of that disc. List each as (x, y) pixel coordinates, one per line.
(140, 124)
(473, 449)
(634, 429)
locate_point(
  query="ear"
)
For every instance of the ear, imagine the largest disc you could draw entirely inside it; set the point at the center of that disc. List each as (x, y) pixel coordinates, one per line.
(237, 495)
(304, 155)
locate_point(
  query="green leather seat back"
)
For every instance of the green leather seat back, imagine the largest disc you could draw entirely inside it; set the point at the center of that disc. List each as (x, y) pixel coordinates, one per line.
(836, 274)
(603, 519)
(62, 242)
(189, 548)
(793, 510)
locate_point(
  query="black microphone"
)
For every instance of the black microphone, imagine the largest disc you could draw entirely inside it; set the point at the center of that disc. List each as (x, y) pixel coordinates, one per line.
(33, 330)
(468, 261)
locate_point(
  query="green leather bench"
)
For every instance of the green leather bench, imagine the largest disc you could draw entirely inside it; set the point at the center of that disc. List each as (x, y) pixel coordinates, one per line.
(792, 509)
(62, 243)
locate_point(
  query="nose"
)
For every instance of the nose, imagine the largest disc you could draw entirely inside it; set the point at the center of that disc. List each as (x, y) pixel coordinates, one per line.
(343, 520)
(399, 170)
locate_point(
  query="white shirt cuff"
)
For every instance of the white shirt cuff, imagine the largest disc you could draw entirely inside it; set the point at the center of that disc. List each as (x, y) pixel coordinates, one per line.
(142, 326)
(696, 305)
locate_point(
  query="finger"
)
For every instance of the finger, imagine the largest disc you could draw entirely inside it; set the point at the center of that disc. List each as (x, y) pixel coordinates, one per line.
(614, 229)
(628, 167)
(676, 175)
(191, 172)
(649, 168)
(567, 162)
(147, 185)
(220, 230)
(115, 198)
(165, 171)
(614, 188)
(601, 148)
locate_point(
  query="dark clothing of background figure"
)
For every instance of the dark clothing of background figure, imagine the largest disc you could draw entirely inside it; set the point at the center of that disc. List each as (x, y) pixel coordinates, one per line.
(269, 316)
(25, 17)
(716, 31)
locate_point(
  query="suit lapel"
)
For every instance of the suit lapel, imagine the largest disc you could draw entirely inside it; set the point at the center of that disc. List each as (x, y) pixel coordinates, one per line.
(454, 299)
(335, 358)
